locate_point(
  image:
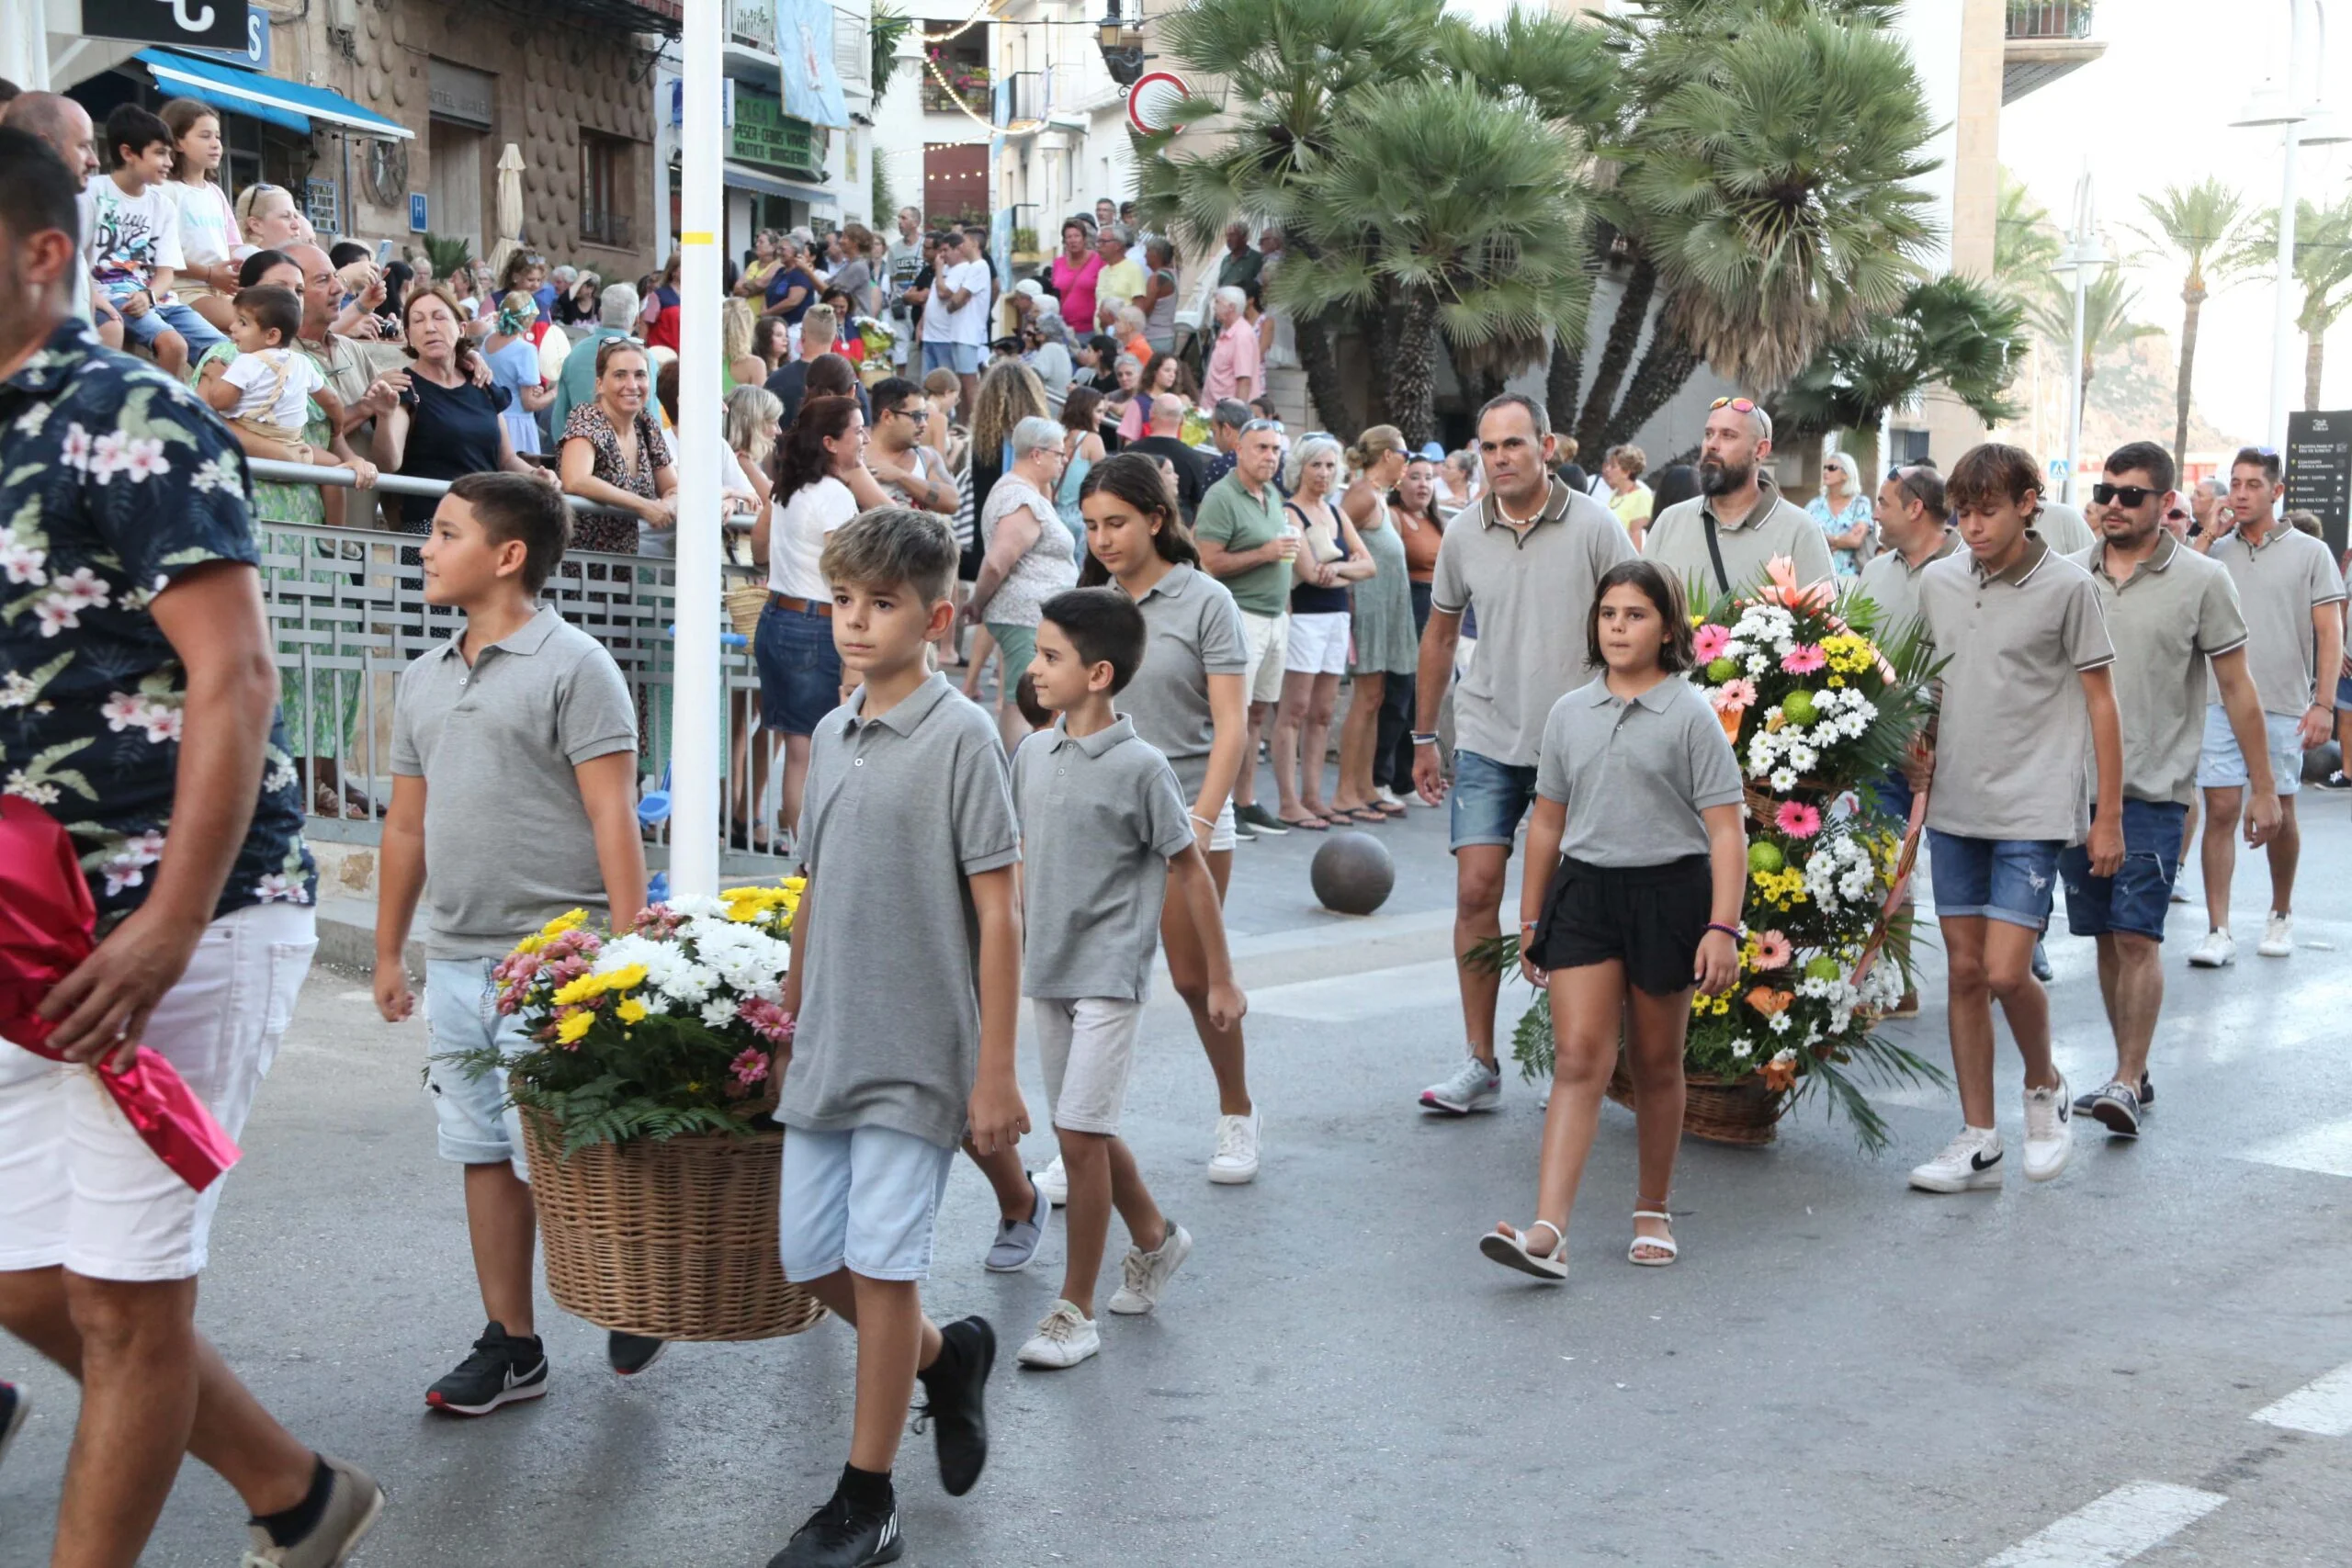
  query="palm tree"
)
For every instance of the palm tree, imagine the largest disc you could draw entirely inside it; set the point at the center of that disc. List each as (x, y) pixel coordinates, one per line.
(2108, 327)
(2323, 266)
(2208, 224)
(2025, 242)
(1952, 331)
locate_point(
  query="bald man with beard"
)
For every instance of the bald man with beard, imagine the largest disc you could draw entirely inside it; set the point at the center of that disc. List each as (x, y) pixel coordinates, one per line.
(65, 126)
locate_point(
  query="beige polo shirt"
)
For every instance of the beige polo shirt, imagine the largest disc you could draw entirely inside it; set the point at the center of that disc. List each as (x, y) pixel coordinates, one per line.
(2281, 581)
(2168, 620)
(2014, 727)
(1773, 526)
(1636, 776)
(1532, 592)
(2064, 528)
(1890, 581)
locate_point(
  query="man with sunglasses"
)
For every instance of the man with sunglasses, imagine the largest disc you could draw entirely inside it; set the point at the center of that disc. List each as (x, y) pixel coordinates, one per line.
(1727, 535)
(2292, 597)
(911, 472)
(2173, 616)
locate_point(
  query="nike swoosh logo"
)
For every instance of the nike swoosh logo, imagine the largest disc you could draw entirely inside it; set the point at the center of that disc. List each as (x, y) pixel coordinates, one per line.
(1978, 1162)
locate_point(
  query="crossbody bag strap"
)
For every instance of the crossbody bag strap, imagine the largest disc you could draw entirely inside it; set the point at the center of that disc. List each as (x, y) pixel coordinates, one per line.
(1715, 554)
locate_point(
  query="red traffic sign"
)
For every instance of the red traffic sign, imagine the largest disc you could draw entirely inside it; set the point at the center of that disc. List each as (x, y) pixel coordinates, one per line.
(1152, 102)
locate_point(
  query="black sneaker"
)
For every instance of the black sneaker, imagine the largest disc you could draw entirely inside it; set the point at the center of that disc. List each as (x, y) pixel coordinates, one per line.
(630, 1354)
(503, 1368)
(14, 1407)
(2335, 781)
(1256, 816)
(842, 1535)
(2088, 1104)
(2117, 1109)
(956, 1385)
(2041, 970)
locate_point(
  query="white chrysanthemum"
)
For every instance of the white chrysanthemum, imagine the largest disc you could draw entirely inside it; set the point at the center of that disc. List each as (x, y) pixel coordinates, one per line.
(719, 1012)
(1779, 1024)
(1742, 1049)
(1785, 779)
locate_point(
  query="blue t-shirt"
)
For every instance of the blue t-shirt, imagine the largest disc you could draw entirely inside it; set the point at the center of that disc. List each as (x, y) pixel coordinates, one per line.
(783, 283)
(114, 483)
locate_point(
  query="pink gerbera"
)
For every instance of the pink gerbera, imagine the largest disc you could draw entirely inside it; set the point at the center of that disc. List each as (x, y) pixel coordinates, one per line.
(1797, 819)
(749, 1067)
(1735, 695)
(1710, 642)
(1773, 951)
(1803, 658)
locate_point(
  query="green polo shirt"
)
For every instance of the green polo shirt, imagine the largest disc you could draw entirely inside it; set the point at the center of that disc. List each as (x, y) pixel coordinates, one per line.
(2168, 620)
(1230, 518)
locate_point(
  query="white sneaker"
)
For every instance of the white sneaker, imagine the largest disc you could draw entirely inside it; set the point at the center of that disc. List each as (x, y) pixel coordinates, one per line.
(1145, 1274)
(2277, 937)
(2216, 950)
(1054, 1182)
(1970, 1163)
(1065, 1337)
(2049, 1131)
(1474, 1086)
(1236, 1161)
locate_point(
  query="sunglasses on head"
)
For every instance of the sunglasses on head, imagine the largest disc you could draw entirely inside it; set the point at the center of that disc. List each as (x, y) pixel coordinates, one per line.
(2129, 495)
(1274, 425)
(1736, 405)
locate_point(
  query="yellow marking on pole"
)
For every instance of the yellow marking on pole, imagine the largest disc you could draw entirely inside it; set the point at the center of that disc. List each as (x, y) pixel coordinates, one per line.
(696, 237)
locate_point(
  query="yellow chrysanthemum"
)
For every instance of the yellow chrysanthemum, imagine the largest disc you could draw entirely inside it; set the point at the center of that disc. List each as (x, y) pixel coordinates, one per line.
(624, 979)
(630, 1011)
(586, 988)
(570, 919)
(573, 1028)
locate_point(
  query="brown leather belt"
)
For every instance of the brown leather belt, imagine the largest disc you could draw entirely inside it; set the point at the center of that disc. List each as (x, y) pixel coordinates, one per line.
(801, 606)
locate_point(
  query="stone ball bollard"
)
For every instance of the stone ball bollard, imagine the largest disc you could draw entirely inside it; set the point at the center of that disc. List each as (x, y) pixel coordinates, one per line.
(1352, 873)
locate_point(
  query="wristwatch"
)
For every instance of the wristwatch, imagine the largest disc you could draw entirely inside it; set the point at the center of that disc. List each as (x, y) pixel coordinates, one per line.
(1423, 739)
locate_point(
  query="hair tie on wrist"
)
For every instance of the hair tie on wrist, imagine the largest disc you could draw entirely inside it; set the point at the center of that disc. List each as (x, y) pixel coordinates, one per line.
(1731, 932)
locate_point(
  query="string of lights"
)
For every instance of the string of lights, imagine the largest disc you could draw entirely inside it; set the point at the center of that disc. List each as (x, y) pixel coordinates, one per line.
(1018, 128)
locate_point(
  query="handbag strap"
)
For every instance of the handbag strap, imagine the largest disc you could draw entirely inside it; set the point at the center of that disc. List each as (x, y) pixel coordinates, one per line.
(1715, 554)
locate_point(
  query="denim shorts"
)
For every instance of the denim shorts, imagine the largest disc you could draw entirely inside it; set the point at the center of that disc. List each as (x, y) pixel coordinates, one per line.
(171, 316)
(2011, 880)
(800, 669)
(1487, 800)
(865, 1200)
(2136, 898)
(2220, 765)
(477, 1126)
(964, 358)
(1893, 791)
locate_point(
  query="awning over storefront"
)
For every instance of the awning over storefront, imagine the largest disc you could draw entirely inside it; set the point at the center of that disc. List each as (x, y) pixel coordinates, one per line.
(742, 176)
(268, 99)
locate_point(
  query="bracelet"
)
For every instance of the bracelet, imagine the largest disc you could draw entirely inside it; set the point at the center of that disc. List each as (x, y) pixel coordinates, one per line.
(1202, 820)
(1418, 739)
(1731, 932)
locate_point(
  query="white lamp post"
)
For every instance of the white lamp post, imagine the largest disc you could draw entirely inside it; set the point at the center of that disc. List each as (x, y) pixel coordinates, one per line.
(2302, 122)
(694, 746)
(2083, 256)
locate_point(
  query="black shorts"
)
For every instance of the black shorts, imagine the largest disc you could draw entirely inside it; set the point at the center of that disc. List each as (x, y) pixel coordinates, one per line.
(1650, 918)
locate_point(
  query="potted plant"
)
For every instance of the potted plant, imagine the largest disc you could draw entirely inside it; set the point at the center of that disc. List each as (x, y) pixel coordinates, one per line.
(1817, 710)
(1024, 247)
(645, 1095)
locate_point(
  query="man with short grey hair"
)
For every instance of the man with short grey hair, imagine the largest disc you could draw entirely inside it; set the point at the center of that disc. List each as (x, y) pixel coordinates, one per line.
(1727, 535)
(1226, 416)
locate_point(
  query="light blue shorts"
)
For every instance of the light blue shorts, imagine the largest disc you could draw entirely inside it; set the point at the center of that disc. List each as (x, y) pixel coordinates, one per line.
(964, 358)
(174, 317)
(2220, 765)
(865, 1200)
(478, 1125)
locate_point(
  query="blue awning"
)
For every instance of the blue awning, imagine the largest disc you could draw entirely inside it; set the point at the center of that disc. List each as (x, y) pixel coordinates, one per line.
(742, 176)
(279, 102)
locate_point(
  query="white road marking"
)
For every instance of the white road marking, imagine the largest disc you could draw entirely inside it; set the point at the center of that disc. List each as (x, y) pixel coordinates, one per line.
(2325, 1148)
(2323, 1405)
(2118, 1528)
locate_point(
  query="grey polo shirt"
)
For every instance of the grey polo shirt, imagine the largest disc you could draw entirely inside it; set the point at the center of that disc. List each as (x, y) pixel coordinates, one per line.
(507, 843)
(1100, 816)
(2064, 529)
(2168, 620)
(1890, 581)
(899, 812)
(1532, 592)
(1635, 775)
(1232, 519)
(2281, 581)
(1192, 631)
(1773, 526)
(2015, 728)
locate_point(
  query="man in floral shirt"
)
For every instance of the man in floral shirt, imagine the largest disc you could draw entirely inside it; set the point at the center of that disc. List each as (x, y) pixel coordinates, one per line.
(138, 706)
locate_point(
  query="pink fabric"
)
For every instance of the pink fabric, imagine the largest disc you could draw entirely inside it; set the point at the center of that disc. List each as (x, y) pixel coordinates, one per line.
(1234, 356)
(1076, 287)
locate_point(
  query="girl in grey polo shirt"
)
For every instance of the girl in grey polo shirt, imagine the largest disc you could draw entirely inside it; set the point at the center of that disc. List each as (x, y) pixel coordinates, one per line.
(1637, 810)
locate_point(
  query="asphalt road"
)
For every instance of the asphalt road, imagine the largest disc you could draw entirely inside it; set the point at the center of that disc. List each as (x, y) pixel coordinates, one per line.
(1840, 1371)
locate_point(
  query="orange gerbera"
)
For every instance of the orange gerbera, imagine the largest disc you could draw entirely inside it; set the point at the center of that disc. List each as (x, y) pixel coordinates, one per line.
(1770, 1002)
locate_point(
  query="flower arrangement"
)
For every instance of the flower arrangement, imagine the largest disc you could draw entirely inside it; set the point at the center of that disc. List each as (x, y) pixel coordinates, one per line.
(1817, 710)
(664, 1029)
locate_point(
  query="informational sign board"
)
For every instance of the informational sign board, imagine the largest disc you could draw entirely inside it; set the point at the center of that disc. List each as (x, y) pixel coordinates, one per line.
(2319, 470)
(323, 205)
(418, 221)
(197, 24)
(254, 52)
(763, 135)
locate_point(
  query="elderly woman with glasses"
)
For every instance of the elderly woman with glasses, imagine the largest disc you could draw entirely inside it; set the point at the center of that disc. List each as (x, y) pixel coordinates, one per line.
(1843, 512)
(1029, 558)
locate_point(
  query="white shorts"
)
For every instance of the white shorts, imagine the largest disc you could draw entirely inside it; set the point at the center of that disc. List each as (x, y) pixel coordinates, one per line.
(1318, 644)
(77, 1187)
(2220, 765)
(1263, 638)
(1222, 836)
(1088, 1049)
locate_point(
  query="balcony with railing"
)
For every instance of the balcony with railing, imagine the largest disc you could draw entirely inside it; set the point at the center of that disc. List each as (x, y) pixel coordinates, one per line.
(2046, 39)
(1019, 101)
(966, 87)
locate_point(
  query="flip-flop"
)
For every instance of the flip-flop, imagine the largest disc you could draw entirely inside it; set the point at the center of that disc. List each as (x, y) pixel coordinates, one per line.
(1385, 809)
(1371, 814)
(1305, 824)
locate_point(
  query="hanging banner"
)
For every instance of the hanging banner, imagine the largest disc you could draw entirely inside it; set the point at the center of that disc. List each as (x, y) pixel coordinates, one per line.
(804, 50)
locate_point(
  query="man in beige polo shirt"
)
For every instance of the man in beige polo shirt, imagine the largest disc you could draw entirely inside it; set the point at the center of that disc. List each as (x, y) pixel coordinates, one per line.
(1725, 537)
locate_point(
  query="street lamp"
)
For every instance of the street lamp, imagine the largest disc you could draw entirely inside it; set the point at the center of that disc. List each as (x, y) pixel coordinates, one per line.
(2083, 256)
(1121, 44)
(2303, 121)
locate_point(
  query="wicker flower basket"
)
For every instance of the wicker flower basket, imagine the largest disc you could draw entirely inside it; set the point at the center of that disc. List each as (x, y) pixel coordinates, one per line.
(1723, 1111)
(674, 1239)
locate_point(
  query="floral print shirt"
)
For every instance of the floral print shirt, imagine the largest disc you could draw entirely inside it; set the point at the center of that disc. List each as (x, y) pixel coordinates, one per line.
(114, 481)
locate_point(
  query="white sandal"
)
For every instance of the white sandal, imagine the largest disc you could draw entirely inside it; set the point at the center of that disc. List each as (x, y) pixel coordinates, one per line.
(1662, 1242)
(1508, 1247)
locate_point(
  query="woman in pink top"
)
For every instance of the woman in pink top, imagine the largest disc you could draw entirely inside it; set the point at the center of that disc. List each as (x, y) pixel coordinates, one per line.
(1075, 270)
(1234, 365)
(1165, 373)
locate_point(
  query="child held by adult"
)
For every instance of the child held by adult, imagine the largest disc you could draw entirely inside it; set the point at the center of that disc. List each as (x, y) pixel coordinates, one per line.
(1638, 813)
(515, 787)
(908, 838)
(1104, 830)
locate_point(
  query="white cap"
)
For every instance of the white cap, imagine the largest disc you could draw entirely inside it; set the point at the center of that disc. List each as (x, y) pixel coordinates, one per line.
(1030, 286)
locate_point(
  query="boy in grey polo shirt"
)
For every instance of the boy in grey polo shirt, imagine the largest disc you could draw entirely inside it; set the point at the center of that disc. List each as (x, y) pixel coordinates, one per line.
(513, 801)
(904, 986)
(2172, 614)
(1103, 826)
(2025, 692)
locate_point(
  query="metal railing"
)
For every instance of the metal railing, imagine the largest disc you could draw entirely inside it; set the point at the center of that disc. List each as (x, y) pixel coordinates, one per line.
(2050, 19)
(347, 614)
